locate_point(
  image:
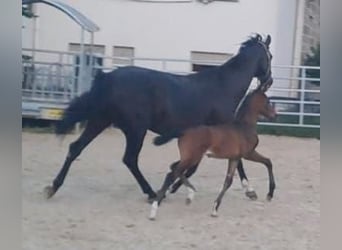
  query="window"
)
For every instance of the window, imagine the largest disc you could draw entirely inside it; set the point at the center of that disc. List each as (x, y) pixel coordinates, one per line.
(123, 55)
(203, 60)
(98, 52)
(91, 64)
(96, 49)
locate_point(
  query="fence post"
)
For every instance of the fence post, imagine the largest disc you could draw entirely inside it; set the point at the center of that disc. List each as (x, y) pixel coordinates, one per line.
(302, 96)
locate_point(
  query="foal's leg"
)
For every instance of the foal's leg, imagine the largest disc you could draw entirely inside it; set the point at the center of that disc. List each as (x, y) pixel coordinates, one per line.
(134, 142)
(227, 183)
(256, 157)
(190, 187)
(93, 128)
(187, 174)
(249, 191)
(176, 171)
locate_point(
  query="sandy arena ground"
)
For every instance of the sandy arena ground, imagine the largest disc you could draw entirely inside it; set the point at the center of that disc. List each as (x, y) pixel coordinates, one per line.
(101, 206)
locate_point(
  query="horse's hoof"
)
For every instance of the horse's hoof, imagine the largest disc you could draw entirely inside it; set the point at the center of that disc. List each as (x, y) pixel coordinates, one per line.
(269, 197)
(252, 195)
(153, 212)
(188, 201)
(49, 191)
(214, 214)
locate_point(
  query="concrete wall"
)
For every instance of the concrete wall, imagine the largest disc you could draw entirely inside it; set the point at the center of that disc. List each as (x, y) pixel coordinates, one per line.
(173, 30)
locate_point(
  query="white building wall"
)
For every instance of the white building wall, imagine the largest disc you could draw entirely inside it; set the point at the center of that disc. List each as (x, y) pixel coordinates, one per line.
(172, 30)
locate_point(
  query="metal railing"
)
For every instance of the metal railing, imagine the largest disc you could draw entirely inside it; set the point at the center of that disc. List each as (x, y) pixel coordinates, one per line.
(53, 78)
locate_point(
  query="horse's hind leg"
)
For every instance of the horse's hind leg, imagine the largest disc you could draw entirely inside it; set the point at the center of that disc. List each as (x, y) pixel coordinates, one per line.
(227, 183)
(93, 128)
(134, 142)
(249, 191)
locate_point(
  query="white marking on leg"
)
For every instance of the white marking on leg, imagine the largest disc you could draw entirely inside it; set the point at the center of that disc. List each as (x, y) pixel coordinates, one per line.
(191, 194)
(246, 186)
(244, 183)
(214, 211)
(154, 209)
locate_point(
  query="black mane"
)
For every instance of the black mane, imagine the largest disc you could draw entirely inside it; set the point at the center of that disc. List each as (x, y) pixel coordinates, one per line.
(251, 41)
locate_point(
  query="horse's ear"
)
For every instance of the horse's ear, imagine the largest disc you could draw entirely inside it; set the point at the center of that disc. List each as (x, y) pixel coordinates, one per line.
(268, 40)
(258, 37)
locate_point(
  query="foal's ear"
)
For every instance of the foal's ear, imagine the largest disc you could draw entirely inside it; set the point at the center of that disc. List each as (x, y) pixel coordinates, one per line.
(268, 40)
(262, 88)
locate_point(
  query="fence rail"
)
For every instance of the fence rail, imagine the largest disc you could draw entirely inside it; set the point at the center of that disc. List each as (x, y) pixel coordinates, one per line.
(52, 78)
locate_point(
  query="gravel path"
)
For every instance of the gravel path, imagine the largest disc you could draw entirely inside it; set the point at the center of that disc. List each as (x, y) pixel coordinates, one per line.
(101, 206)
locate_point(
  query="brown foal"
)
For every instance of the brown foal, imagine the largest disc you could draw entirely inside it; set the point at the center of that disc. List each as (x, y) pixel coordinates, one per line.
(231, 141)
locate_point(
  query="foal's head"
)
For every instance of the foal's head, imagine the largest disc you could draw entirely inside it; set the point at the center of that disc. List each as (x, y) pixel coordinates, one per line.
(256, 104)
(261, 105)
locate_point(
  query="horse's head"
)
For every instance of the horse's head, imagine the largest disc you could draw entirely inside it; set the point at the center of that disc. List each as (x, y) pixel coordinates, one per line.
(261, 50)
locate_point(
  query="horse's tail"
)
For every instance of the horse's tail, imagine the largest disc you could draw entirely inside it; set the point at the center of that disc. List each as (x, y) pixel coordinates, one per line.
(163, 139)
(82, 107)
(77, 111)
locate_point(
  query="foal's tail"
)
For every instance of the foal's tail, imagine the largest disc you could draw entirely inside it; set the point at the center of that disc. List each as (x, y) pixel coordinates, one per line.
(163, 139)
(77, 111)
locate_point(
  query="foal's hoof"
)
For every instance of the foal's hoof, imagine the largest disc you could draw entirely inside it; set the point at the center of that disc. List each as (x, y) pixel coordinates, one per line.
(252, 195)
(49, 191)
(269, 197)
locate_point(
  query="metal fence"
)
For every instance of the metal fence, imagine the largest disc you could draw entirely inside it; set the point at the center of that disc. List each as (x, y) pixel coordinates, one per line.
(52, 78)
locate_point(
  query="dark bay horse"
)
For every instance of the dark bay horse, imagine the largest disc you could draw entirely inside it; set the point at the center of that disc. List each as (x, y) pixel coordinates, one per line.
(136, 99)
(233, 141)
